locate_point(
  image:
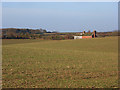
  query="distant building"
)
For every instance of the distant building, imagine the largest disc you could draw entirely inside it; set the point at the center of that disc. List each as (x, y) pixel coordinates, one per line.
(77, 37)
(86, 35)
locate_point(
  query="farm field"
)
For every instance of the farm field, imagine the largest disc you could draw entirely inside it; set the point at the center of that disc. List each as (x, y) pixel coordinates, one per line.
(86, 63)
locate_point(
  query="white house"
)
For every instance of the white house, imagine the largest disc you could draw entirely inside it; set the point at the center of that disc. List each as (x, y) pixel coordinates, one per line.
(77, 37)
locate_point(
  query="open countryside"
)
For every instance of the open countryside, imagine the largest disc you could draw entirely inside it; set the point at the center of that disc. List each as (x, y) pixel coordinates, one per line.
(60, 44)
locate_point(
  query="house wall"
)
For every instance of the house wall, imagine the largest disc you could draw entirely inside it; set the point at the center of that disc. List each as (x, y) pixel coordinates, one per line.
(81, 37)
(86, 36)
(77, 37)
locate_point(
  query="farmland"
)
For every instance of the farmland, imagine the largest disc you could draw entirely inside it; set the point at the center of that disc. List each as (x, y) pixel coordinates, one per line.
(86, 63)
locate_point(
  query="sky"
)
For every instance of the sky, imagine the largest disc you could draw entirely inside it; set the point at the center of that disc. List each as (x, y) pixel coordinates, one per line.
(61, 16)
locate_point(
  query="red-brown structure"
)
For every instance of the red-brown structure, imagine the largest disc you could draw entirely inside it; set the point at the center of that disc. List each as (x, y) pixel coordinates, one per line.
(92, 35)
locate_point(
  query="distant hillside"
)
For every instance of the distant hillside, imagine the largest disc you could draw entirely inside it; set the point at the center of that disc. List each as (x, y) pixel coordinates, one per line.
(11, 33)
(24, 31)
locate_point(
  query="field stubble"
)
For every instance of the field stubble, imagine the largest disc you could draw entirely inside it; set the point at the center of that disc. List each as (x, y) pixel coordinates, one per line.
(87, 63)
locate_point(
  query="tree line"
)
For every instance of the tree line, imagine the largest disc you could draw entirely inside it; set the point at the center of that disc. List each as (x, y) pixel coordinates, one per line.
(16, 33)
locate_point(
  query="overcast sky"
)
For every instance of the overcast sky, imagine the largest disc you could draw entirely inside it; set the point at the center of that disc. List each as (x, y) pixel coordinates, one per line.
(61, 16)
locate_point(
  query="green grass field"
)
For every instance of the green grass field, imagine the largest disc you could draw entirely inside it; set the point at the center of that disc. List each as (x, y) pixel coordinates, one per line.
(87, 63)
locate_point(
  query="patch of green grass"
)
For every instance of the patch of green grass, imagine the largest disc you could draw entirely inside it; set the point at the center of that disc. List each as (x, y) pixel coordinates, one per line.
(86, 63)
